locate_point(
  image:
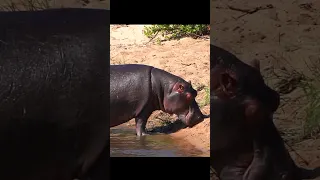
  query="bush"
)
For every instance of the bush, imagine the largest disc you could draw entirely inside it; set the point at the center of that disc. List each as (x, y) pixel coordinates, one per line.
(292, 79)
(176, 31)
(312, 123)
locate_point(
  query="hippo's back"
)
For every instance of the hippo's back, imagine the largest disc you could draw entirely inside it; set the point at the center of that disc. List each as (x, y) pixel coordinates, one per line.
(128, 74)
(128, 68)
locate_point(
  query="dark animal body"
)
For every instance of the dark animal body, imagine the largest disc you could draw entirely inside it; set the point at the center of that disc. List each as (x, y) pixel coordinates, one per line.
(54, 94)
(138, 90)
(245, 144)
(246, 147)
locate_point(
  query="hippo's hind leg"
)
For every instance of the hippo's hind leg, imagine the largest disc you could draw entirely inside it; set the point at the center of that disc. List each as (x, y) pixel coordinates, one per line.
(141, 122)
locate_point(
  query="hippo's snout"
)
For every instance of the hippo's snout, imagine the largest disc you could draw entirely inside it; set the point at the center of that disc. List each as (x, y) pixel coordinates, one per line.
(193, 116)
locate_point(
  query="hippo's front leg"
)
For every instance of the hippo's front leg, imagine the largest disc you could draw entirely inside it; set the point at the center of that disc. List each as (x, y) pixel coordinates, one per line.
(141, 123)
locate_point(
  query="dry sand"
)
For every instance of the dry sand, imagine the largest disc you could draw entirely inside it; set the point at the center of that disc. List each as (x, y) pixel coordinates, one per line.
(7, 5)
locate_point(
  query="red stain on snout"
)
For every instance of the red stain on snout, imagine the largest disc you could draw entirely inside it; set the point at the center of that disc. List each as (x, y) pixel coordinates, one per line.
(255, 113)
(188, 96)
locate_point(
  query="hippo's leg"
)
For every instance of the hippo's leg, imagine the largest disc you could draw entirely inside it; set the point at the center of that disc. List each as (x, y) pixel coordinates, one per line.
(141, 126)
(141, 122)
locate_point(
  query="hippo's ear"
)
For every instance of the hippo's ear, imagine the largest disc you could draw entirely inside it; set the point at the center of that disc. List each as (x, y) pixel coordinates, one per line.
(255, 64)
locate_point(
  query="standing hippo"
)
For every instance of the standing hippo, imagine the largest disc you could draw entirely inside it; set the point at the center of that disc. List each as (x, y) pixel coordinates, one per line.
(54, 95)
(138, 90)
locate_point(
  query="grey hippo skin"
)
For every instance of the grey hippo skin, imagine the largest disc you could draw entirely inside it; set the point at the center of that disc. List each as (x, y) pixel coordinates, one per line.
(138, 90)
(245, 144)
(54, 95)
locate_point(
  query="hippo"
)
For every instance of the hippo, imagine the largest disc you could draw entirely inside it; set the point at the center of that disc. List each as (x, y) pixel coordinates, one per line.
(137, 90)
(245, 144)
(54, 94)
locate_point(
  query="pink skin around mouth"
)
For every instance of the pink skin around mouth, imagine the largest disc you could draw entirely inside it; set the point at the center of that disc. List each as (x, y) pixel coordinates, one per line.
(187, 117)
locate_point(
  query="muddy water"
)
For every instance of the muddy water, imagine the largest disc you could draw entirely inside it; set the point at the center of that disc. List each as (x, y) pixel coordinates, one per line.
(125, 143)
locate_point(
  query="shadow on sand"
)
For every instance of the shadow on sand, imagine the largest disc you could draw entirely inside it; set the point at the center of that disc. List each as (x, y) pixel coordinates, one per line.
(169, 128)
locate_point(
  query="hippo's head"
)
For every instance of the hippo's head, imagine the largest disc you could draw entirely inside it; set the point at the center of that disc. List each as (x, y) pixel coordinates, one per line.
(231, 77)
(180, 100)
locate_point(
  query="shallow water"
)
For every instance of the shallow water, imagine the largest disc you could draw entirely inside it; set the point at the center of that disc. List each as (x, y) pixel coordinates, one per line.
(125, 143)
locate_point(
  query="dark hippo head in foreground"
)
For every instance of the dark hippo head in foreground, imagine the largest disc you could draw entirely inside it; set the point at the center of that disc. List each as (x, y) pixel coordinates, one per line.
(240, 90)
(138, 90)
(230, 77)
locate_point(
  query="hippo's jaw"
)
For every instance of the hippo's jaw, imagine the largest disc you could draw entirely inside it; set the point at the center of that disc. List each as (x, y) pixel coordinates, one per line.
(192, 117)
(185, 117)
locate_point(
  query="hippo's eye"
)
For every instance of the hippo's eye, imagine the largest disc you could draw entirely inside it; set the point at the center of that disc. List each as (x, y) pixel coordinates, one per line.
(181, 88)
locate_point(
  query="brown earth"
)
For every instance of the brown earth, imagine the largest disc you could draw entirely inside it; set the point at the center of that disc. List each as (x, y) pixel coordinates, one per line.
(187, 58)
(10, 5)
(284, 36)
